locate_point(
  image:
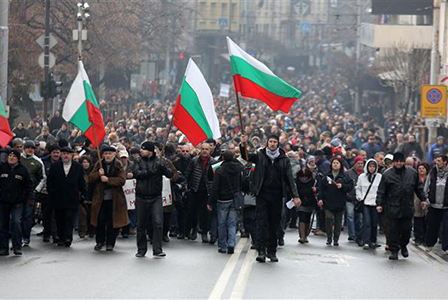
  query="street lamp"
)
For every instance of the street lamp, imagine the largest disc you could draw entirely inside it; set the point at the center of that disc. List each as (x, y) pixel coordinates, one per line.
(82, 17)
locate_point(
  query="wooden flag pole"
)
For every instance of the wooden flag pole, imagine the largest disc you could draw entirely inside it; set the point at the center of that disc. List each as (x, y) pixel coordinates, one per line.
(245, 154)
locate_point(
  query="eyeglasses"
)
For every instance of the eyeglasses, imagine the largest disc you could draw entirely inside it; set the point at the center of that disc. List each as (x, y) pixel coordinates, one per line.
(185, 151)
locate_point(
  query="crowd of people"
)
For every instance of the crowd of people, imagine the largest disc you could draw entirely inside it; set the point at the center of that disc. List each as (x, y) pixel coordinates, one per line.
(316, 169)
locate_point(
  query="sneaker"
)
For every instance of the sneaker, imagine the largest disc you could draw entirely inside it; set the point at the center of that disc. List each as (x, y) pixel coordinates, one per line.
(98, 247)
(393, 256)
(109, 248)
(159, 254)
(428, 249)
(25, 243)
(17, 252)
(140, 254)
(405, 252)
(366, 247)
(222, 251)
(374, 245)
(230, 250)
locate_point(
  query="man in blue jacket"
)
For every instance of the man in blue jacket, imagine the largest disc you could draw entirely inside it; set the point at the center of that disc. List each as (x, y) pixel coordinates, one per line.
(437, 149)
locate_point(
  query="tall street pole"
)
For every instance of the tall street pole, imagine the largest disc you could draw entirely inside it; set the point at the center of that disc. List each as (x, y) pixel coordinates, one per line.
(435, 64)
(46, 59)
(4, 31)
(358, 56)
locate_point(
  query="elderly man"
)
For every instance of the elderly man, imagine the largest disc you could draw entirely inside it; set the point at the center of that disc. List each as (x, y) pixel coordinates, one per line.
(67, 189)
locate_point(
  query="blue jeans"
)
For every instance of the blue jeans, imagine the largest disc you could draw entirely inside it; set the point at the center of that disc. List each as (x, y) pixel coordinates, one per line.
(354, 222)
(11, 215)
(226, 225)
(370, 224)
(27, 221)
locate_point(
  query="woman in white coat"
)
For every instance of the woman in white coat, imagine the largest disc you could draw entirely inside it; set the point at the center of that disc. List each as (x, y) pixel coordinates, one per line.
(366, 190)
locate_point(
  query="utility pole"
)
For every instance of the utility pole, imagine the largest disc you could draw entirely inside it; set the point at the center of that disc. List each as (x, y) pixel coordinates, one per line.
(358, 56)
(167, 50)
(4, 31)
(81, 34)
(46, 60)
(435, 64)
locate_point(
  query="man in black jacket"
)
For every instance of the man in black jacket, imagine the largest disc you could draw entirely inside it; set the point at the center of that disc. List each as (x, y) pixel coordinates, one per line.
(273, 180)
(199, 183)
(438, 203)
(396, 197)
(15, 191)
(67, 189)
(181, 164)
(148, 172)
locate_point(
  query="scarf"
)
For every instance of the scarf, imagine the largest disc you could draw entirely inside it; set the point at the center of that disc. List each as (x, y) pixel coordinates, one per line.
(272, 154)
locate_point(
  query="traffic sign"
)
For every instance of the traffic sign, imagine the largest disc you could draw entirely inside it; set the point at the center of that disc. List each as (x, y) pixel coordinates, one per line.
(433, 101)
(41, 60)
(41, 41)
(223, 23)
(305, 26)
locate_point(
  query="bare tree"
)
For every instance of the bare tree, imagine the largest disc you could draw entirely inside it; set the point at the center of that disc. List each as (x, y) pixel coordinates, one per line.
(404, 68)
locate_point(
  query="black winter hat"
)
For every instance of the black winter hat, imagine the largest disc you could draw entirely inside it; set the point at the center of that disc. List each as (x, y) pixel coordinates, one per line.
(67, 149)
(399, 156)
(108, 148)
(15, 152)
(148, 146)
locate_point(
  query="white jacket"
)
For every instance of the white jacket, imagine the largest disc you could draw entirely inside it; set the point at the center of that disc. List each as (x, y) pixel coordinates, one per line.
(363, 185)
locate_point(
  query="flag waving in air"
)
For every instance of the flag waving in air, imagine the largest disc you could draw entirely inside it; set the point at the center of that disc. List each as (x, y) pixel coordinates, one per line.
(194, 113)
(5, 129)
(253, 79)
(82, 110)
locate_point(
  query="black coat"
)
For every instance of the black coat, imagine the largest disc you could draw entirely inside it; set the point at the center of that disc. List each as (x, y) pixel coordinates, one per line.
(66, 192)
(15, 184)
(306, 194)
(226, 182)
(333, 197)
(148, 172)
(396, 192)
(433, 188)
(263, 165)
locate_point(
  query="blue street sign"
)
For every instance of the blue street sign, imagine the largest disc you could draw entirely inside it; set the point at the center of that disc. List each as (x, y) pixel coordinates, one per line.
(304, 26)
(223, 22)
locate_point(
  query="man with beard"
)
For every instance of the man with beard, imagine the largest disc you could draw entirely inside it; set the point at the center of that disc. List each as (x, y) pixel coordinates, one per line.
(272, 182)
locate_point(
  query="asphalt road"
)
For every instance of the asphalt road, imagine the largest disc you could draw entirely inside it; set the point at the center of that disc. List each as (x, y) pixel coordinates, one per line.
(193, 270)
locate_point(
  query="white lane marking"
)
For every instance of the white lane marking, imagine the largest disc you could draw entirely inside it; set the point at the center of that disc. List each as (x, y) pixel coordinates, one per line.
(221, 284)
(243, 276)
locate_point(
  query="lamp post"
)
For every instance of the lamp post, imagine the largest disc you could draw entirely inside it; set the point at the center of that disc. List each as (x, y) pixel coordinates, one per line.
(83, 18)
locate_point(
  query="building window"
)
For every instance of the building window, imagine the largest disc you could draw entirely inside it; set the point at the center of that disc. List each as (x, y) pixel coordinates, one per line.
(232, 10)
(213, 9)
(224, 10)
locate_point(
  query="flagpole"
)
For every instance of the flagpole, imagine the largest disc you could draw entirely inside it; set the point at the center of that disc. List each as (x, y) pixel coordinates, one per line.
(245, 154)
(166, 139)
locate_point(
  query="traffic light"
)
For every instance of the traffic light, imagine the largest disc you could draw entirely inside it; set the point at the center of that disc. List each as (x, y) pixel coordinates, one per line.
(55, 88)
(43, 89)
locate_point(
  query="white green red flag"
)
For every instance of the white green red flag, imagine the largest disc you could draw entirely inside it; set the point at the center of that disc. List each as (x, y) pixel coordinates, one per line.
(194, 113)
(253, 79)
(5, 129)
(82, 110)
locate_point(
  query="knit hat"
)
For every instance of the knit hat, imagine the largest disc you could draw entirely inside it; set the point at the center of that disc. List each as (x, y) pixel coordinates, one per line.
(148, 146)
(15, 152)
(399, 156)
(310, 158)
(135, 151)
(29, 144)
(336, 142)
(359, 158)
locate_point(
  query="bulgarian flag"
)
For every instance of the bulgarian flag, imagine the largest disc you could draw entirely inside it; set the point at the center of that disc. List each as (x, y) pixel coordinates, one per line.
(82, 110)
(253, 79)
(5, 130)
(194, 113)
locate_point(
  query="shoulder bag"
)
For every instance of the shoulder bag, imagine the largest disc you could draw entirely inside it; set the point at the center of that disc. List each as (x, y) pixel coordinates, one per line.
(359, 206)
